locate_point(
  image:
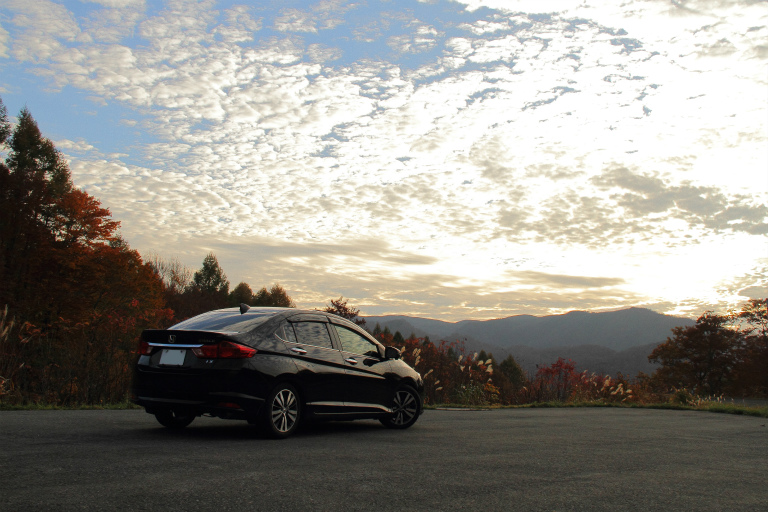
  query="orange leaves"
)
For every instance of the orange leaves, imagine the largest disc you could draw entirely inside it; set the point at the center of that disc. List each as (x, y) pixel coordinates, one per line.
(79, 294)
(80, 219)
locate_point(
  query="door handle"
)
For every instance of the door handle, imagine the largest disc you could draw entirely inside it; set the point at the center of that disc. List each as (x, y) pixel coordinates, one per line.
(351, 360)
(298, 350)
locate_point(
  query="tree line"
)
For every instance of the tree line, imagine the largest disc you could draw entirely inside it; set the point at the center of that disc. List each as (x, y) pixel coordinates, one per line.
(719, 355)
(188, 294)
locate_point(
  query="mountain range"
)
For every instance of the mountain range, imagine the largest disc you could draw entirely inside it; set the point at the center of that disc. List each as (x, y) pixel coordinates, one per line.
(606, 342)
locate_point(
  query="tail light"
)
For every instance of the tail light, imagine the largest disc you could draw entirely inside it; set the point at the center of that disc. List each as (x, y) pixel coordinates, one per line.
(144, 348)
(224, 350)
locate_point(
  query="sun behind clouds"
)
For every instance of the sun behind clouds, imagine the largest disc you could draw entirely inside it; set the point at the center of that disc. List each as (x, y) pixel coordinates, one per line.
(465, 159)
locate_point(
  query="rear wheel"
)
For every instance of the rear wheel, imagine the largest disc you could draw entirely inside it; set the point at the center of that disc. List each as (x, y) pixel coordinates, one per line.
(406, 407)
(282, 411)
(174, 419)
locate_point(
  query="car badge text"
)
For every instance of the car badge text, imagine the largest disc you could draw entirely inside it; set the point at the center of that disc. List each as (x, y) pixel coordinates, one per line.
(172, 338)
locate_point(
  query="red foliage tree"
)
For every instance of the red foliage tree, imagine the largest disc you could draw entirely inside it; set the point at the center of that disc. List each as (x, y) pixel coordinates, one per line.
(79, 295)
(701, 357)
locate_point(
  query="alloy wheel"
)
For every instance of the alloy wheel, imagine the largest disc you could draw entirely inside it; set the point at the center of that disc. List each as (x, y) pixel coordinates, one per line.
(285, 411)
(405, 407)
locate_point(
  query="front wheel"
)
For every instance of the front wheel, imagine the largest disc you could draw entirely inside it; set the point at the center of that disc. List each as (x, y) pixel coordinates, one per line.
(282, 411)
(406, 407)
(170, 418)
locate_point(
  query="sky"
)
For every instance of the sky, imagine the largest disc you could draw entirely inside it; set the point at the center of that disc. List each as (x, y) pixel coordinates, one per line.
(450, 159)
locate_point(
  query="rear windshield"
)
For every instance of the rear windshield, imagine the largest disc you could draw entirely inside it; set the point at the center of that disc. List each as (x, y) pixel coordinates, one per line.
(225, 321)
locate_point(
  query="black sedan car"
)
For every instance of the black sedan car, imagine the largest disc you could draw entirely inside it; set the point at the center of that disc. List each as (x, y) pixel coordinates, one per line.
(273, 366)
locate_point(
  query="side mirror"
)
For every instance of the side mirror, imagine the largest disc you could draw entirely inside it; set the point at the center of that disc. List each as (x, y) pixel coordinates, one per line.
(391, 353)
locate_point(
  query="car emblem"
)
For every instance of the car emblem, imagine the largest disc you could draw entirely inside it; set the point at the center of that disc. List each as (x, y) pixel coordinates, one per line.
(172, 338)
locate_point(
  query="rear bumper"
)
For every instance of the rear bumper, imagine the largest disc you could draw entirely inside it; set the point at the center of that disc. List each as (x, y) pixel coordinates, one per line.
(224, 394)
(222, 405)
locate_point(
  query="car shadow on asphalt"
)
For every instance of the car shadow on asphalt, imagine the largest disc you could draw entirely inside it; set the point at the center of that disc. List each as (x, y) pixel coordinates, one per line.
(240, 430)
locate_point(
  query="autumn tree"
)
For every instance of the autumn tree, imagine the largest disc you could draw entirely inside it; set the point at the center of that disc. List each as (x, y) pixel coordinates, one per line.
(77, 293)
(752, 367)
(176, 279)
(176, 276)
(340, 307)
(700, 357)
(275, 297)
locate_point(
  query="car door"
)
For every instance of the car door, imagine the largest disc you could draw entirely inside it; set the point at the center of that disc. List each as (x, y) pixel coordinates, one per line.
(321, 368)
(369, 387)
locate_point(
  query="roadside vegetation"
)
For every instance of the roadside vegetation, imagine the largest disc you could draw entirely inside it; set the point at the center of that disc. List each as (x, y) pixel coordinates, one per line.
(75, 298)
(701, 366)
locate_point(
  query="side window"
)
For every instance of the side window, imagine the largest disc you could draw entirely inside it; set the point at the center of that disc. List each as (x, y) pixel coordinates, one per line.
(285, 332)
(313, 333)
(353, 342)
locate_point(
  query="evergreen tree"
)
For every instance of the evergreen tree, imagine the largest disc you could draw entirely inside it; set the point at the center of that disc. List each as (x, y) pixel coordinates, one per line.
(211, 278)
(241, 294)
(275, 297)
(398, 338)
(209, 289)
(513, 372)
(5, 125)
(280, 298)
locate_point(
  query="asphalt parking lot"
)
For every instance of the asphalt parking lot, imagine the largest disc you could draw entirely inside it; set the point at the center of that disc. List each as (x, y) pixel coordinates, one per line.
(514, 459)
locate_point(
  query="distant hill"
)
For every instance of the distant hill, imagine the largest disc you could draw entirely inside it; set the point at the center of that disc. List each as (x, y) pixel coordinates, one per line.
(608, 342)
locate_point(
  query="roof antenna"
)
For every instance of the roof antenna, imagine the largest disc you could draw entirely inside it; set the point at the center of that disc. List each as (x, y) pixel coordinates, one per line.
(244, 308)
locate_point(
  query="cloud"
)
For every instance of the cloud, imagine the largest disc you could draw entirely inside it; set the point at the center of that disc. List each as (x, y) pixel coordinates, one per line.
(43, 24)
(239, 26)
(295, 20)
(117, 3)
(4, 37)
(565, 281)
(644, 195)
(113, 24)
(322, 15)
(79, 146)
(754, 292)
(421, 38)
(480, 137)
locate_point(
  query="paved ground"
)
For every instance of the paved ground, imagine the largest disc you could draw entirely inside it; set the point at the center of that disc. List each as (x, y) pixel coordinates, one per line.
(519, 459)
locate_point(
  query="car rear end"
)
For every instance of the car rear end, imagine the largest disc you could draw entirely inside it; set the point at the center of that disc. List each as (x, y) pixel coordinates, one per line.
(198, 372)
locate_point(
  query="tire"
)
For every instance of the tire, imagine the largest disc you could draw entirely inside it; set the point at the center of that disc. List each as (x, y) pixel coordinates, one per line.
(406, 408)
(282, 411)
(170, 418)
